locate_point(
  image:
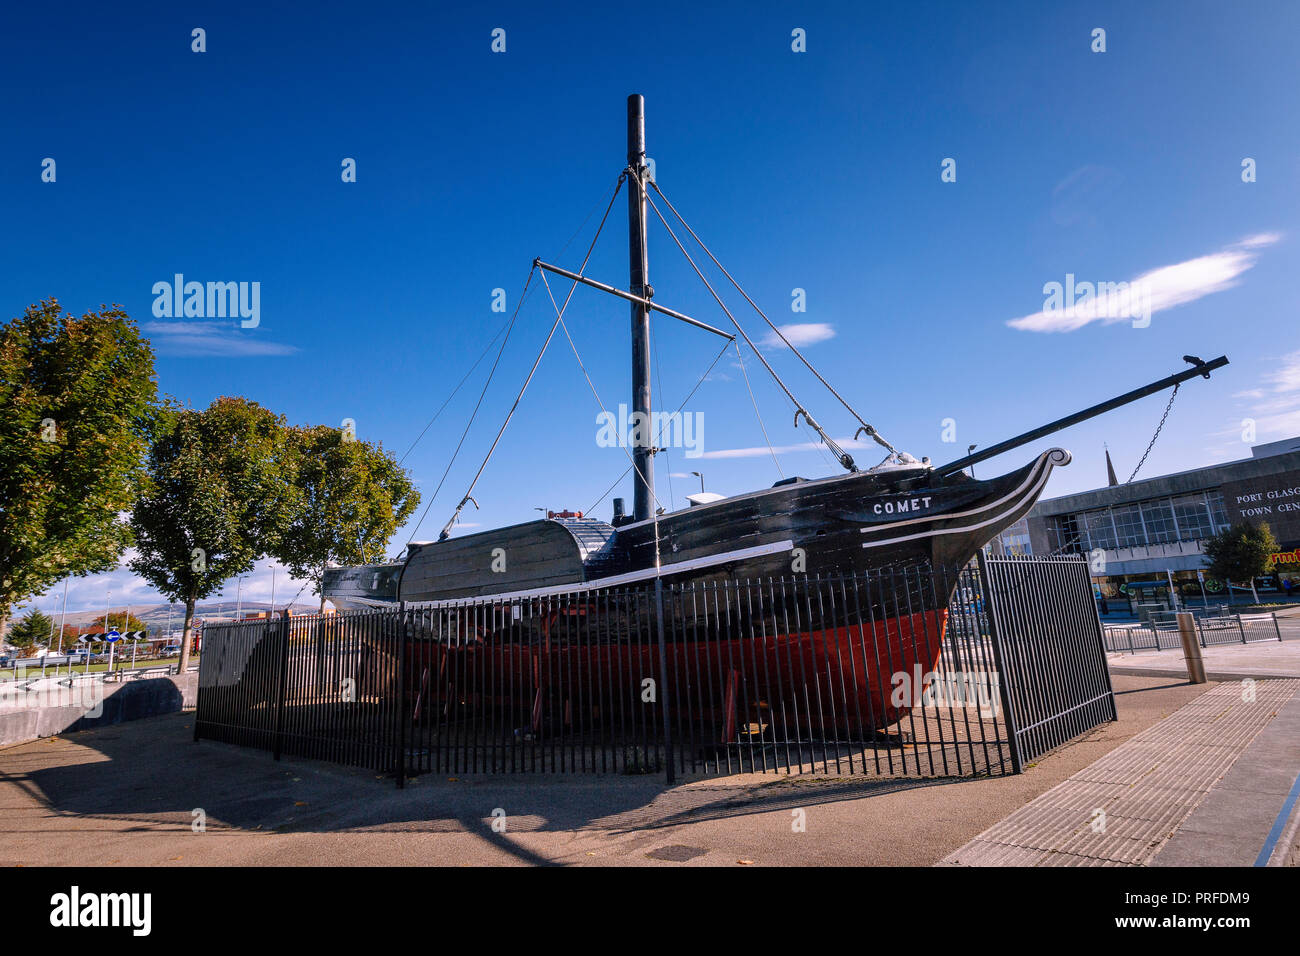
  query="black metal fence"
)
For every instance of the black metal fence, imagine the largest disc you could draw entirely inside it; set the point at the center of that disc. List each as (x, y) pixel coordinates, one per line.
(911, 672)
(1045, 626)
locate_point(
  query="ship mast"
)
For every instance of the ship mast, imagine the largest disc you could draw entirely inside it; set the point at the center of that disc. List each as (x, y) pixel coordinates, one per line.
(639, 285)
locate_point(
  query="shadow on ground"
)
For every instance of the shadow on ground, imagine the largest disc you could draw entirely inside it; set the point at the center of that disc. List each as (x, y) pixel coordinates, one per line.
(150, 773)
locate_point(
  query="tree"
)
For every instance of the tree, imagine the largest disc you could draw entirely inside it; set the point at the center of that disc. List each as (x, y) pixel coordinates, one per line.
(1241, 553)
(123, 621)
(77, 395)
(31, 629)
(351, 497)
(220, 496)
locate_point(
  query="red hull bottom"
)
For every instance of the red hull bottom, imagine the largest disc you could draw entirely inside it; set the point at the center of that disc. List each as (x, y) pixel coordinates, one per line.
(856, 679)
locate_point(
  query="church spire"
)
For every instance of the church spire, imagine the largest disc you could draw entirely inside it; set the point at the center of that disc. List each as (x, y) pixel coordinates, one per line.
(1111, 480)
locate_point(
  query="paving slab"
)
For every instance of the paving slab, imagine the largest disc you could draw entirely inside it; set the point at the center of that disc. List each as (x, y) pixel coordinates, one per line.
(1232, 824)
(1204, 786)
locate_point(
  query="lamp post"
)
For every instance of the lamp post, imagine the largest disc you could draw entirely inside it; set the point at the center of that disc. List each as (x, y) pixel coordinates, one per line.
(701, 477)
(63, 616)
(969, 449)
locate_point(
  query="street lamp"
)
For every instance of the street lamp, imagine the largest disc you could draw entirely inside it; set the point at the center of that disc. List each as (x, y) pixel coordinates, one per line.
(701, 477)
(969, 449)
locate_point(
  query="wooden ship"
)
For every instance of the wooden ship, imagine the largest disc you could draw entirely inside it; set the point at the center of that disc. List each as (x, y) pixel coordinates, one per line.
(904, 513)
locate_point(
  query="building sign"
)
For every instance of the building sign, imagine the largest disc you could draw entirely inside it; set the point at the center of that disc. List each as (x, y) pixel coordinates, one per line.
(1271, 499)
(1260, 503)
(1281, 559)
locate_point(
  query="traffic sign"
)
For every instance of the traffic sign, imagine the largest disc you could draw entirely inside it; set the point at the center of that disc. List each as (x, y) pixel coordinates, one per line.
(113, 635)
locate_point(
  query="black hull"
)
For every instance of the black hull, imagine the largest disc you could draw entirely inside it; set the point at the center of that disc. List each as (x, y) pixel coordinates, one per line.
(863, 521)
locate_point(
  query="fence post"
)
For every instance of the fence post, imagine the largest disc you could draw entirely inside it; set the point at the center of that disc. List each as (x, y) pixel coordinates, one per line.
(670, 770)
(1241, 628)
(1101, 631)
(280, 689)
(999, 660)
(198, 693)
(1276, 626)
(401, 697)
(1191, 650)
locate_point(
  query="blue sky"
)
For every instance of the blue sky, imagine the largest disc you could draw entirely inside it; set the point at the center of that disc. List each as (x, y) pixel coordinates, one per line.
(817, 170)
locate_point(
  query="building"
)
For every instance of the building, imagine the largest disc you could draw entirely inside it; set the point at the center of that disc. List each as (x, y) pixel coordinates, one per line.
(1151, 532)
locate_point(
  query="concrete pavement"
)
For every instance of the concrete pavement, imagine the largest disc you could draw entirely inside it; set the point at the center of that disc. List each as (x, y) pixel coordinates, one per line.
(134, 794)
(1261, 660)
(1210, 785)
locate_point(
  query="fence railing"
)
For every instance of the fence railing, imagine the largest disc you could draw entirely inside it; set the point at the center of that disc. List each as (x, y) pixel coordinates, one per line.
(913, 672)
(1046, 627)
(1210, 631)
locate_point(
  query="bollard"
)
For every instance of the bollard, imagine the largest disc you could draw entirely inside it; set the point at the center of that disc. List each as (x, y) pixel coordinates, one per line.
(1191, 648)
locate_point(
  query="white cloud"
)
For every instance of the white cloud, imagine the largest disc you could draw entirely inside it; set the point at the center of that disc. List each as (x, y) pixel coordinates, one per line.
(214, 338)
(1162, 288)
(800, 334)
(762, 451)
(1287, 377)
(1274, 407)
(1279, 415)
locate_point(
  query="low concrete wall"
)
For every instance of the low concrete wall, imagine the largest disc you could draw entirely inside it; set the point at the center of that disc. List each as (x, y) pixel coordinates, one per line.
(129, 700)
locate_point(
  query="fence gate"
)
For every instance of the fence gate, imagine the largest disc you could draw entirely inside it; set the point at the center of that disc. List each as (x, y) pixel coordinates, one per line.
(1051, 650)
(907, 672)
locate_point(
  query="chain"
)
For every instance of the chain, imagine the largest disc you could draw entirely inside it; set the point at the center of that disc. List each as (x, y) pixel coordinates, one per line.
(1155, 436)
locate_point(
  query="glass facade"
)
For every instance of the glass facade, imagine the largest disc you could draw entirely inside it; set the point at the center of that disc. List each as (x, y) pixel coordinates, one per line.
(1015, 539)
(1128, 525)
(1158, 519)
(1192, 514)
(1165, 520)
(1100, 528)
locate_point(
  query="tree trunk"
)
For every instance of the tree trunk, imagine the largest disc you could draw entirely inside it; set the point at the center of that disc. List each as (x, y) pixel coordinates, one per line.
(185, 635)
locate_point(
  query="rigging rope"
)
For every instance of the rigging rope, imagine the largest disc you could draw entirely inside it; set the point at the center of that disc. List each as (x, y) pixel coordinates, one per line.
(523, 295)
(845, 459)
(1156, 435)
(871, 431)
(659, 376)
(446, 531)
(757, 413)
(453, 393)
(559, 318)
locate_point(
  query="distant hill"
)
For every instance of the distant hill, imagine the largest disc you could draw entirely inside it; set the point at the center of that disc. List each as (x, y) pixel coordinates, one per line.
(156, 615)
